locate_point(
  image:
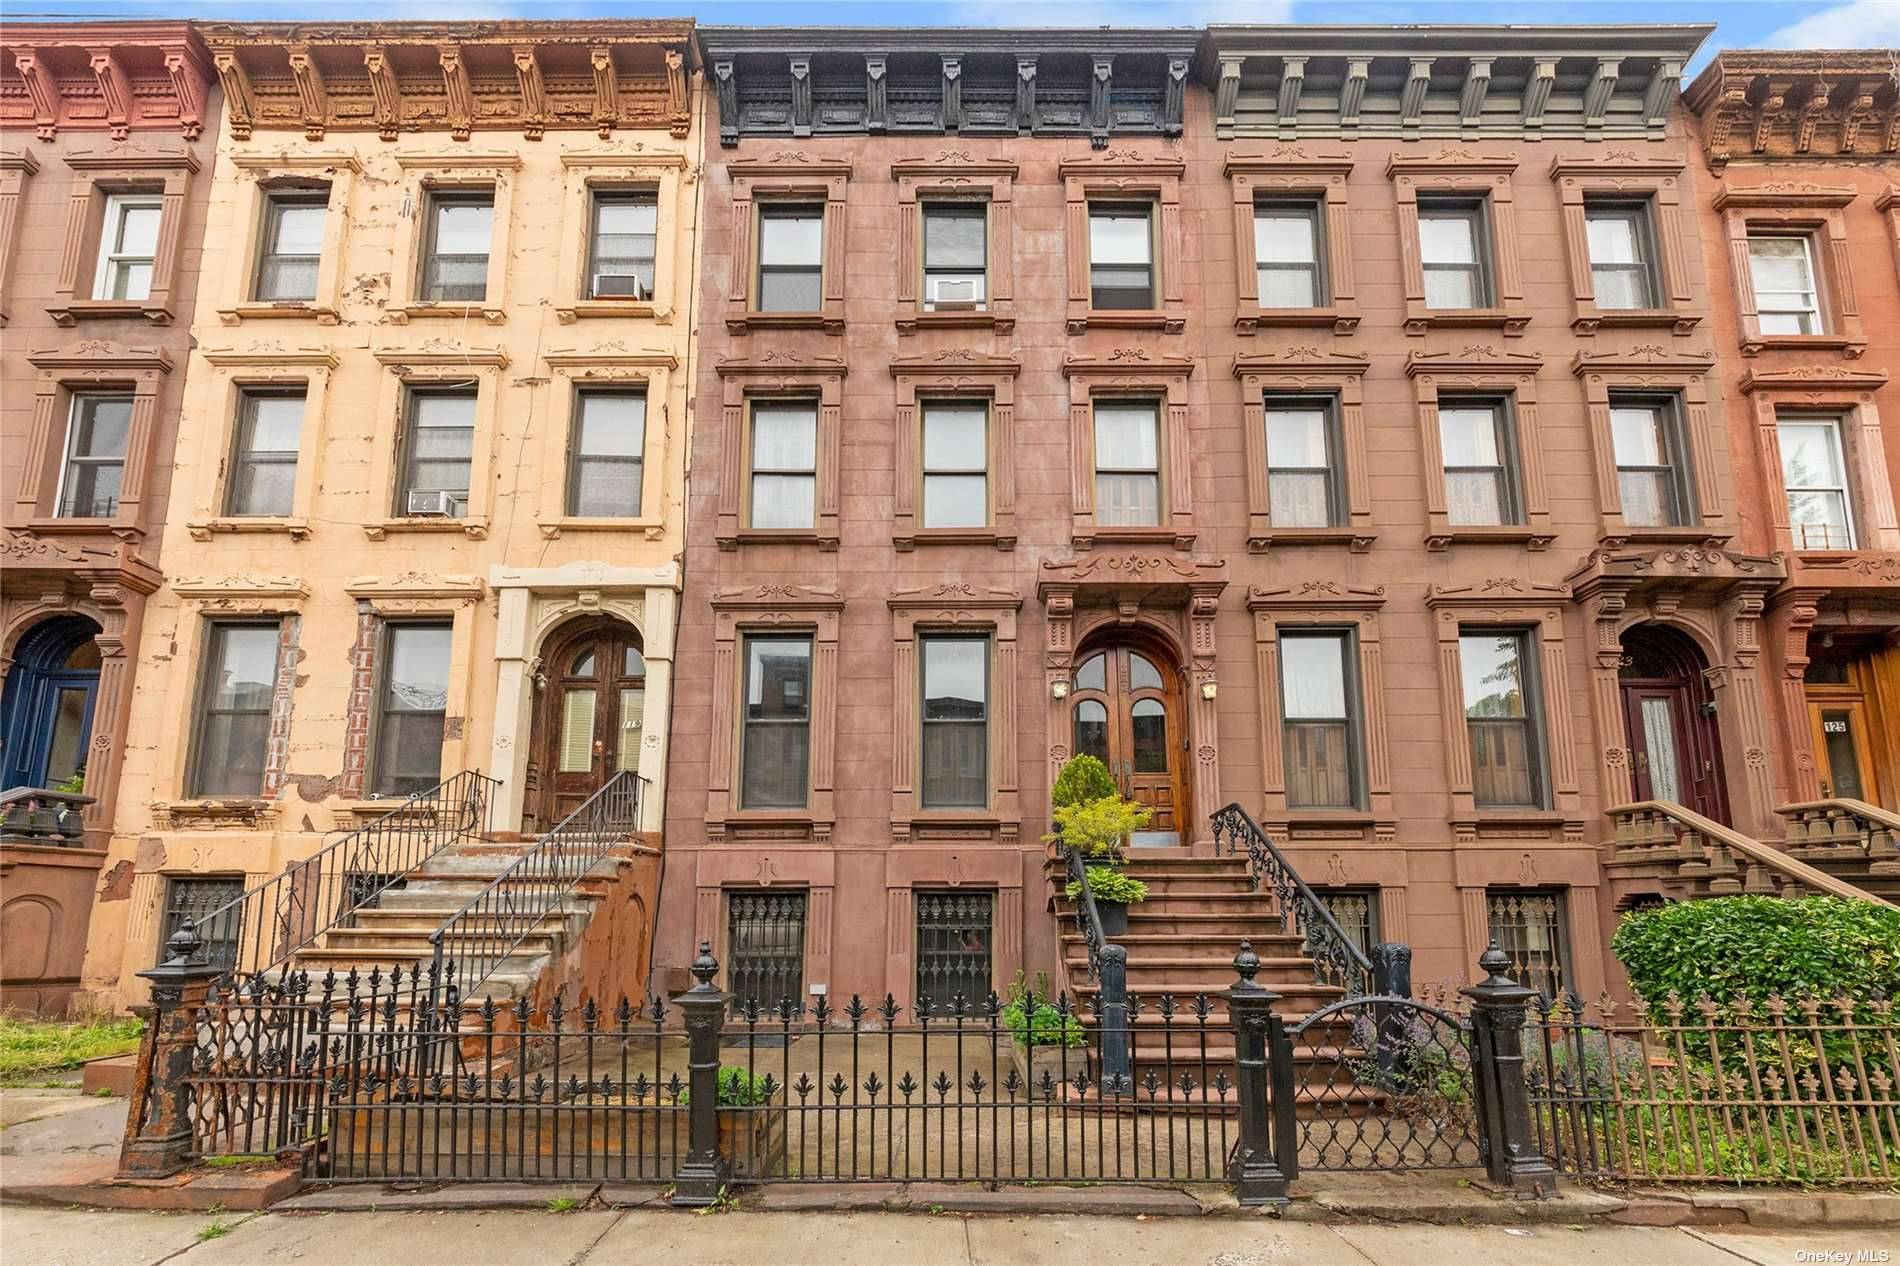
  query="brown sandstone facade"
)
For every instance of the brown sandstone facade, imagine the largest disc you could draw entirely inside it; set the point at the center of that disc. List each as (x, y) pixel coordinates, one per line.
(105, 166)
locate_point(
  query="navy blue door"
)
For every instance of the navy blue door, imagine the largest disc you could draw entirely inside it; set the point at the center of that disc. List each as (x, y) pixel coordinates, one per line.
(49, 703)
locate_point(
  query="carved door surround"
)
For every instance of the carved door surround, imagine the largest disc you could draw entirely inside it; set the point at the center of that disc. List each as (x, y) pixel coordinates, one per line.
(1627, 176)
(1482, 370)
(1132, 372)
(1307, 371)
(1173, 599)
(1716, 597)
(1656, 371)
(1330, 605)
(1820, 212)
(1290, 172)
(956, 174)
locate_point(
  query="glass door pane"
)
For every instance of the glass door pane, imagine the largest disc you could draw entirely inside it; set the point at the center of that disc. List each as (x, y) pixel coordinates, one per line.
(577, 731)
(67, 749)
(1842, 740)
(1659, 742)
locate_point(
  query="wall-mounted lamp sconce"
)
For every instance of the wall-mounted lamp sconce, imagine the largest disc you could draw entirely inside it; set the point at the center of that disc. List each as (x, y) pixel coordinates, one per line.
(1209, 689)
(1058, 690)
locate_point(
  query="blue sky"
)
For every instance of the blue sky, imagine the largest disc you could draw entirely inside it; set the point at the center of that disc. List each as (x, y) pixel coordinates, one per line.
(1740, 23)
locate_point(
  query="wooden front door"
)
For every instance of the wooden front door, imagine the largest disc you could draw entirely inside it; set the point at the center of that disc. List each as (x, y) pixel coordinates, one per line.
(588, 726)
(1844, 747)
(1126, 711)
(1669, 717)
(1850, 711)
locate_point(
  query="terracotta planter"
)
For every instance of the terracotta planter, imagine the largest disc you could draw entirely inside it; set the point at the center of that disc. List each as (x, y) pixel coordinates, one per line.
(753, 1140)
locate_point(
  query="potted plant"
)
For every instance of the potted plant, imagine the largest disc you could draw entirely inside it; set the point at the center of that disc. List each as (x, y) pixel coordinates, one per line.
(753, 1139)
(1045, 1039)
(1114, 890)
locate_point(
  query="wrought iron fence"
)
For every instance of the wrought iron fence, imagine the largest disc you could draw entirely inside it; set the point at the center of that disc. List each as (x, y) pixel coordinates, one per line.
(1783, 1091)
(1337, 958)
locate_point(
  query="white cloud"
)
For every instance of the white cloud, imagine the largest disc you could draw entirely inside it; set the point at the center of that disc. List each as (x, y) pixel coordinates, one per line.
(1114, 13)
(1857, 24)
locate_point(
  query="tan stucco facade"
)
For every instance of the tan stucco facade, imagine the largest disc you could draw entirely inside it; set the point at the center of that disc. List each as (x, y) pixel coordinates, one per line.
(511, 570)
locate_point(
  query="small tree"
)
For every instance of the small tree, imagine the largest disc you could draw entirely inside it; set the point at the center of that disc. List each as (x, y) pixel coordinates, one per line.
(1097, 828)
(1083, 778)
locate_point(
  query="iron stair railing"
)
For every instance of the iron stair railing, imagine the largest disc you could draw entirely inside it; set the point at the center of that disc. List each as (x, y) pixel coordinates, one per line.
(295, 908)
(474, 941)
(1337, 958)
(1108, 966)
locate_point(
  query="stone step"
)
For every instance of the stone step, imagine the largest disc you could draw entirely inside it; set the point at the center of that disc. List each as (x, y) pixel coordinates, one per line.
(1214, 942)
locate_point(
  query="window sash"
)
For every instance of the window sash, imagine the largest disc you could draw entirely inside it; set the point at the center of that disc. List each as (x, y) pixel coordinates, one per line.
(437, 457)
(1121, 279)
(1503, 727)
(460, 277)
(623, 254)
(91, 472)
(1785, 309)
(955, 464)
(1648, 470)
(263, 480)
(288, 276)
(1288, 279)
(783, 488)
(1128, 481)
(1820, 509)
(410, 727)
(1480, 491)
(1303, 494)
(606, 480)
(125, 267)
(1320, 744)
(953, 750)
(794, 284)
(1622, 284)
(775, 748)
(231, 740)
(1452, 283)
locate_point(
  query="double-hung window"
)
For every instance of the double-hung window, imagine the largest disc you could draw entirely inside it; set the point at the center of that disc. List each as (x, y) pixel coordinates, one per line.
(956, 256)
(1649, 473)
(411, 704)
(956, 463)
(1622, 261)
(1317, 703)
(1452, 250)
(791, 257)
(1479, 487)
(455, 261)
(1127, 463)
(620, 257)
(234, 709)
(1781, 269)
(954, 672)
(438, 451)
(1814, 475)
(1121, 256)
(1500, 695)
(264, 460)
(784, 475)
(606, 468)
(292, 246)
(94, 461)
(1286, 245)
(1303, 476)
(775, 742)
(128, 246)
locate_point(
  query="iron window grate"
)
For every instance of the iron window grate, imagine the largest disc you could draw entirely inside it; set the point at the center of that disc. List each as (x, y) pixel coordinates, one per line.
(953, 948)
(1529, 927)
(765, 947)
(1356, 910)
(193, 897)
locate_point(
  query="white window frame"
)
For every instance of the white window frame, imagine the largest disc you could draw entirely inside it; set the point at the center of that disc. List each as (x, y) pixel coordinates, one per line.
(109, 230)
(1816, 314)
(1833, 425)
(66, 450)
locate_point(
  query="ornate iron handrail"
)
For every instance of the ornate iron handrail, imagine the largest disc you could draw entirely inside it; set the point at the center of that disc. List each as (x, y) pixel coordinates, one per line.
(1337, 960)
(1088, 919)
(306, 900)
(1108, 968)
(471, 943)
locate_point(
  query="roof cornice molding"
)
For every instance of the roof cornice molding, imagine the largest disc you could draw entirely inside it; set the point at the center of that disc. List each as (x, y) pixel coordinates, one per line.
(116, 77)
(1798, 105)
(1643, 40)
(726, 41)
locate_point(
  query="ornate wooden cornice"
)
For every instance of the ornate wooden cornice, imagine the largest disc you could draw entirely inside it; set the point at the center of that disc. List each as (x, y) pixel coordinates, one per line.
(1798, 105)
(459, 78)
(116, 77)
(1094, 83)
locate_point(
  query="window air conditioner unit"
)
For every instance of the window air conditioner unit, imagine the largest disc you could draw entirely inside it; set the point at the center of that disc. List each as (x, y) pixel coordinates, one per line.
(956, 294)
(618, 286)
(438, 504)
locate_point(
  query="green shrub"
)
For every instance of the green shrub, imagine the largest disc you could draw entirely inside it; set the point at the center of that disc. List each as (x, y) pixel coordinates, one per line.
(1727, 948)
(1034, 1021)
(1096, 828)
(1083, 778)
(1110, 884)
(738, 1088)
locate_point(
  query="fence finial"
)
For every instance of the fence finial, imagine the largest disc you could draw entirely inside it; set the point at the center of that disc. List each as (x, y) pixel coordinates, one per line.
(1246, 962)
(705, 966)
(183, 945)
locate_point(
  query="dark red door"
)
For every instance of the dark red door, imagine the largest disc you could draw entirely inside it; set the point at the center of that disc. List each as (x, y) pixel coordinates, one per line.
(589, 723)
(1669, 717)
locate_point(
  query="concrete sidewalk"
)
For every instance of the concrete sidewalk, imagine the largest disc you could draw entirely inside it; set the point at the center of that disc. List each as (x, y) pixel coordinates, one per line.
(60, 1237)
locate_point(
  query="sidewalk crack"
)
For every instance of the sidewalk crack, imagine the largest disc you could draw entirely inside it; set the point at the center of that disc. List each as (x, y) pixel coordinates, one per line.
(605, 1231)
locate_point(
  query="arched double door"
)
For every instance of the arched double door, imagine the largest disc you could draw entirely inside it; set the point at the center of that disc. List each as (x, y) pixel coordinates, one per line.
(590, 718)
(1125, 710)
(49, 703)
(1669, 715)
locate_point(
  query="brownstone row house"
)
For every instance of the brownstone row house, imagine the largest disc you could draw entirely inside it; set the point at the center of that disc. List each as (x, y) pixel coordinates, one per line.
(106, 140)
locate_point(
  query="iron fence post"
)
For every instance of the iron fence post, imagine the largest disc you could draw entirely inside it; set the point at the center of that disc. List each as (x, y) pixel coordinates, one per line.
(1391, 978)
(1117, 1068)
(1254, 1168)
(158, 1139)
(703, 1173)
(1498, 1007)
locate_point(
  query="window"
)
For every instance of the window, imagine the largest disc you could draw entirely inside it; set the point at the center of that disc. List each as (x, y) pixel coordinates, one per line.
(234, 709)
(1127, 463)
(765, 948)
(955, 255)
(1781, 268)
(953, 948)
(955, 676)
(1356, 910)
(1814, 474)
(1316, 700)
(1621, 260)
(791, 257)
(1121, 256)
(292, 247)
(956, 464)
(1479, 489)
(1451, 249)
(626, 228)
(455, 267)
(438, 450)
(1500, 688)
(411, 702)
(1286, 255)
(1303, 476)
(128, 247)
(607, 467)
(264, 465)
(784, 464)
(1649, 475)
(195, 897)
(1529, 927)
(94, 461)
(775, 747)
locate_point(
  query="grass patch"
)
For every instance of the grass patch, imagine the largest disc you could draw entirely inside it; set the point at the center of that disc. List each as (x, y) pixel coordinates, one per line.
(30, 1049)
(563, 1204)
(216, 1229)
(236, 1159)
